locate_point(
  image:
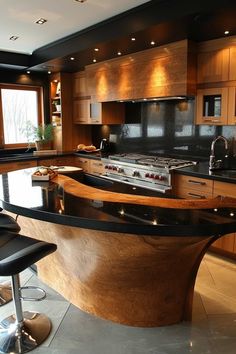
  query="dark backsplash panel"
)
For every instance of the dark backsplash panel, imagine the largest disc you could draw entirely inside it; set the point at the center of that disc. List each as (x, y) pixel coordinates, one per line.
(165, 127)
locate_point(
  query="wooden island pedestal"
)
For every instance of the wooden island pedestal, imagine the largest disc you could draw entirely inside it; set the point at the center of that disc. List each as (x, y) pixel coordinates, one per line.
(134, 273)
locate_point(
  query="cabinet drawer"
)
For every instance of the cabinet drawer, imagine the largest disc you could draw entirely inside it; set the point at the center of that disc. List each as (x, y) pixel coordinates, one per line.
(224, 189)
(96, 167)
(84, 164)
(192, 187)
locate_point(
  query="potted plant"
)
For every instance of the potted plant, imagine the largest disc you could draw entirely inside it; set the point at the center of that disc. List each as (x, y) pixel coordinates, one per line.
(43, 134)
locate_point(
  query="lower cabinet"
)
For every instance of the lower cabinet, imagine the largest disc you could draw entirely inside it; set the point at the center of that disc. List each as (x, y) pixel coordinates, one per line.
(226, 243)
(199, 188)
(17, 165)
(94, 167)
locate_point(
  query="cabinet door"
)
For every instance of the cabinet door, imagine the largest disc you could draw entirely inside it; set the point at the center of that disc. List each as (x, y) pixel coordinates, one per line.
(95, 113)
(232, 106)
(212, 106)
(227, 242)
(192, 187)
(96, 167)
(79, 84)
(81, 111)
(232, 64)
(213, 66)
(83, 163)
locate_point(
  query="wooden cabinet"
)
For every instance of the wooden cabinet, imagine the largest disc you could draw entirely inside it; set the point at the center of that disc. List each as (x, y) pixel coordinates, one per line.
(192, 187)
(17, 165)
(228, 242)
(212, 106)
(96, 167)
(79, 84)
(83, 163)
(216, 106)
(213, 65)
(81, 111)
(87, 112)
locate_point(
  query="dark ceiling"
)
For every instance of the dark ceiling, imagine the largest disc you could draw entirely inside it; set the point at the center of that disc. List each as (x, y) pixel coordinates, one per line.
(162, 21)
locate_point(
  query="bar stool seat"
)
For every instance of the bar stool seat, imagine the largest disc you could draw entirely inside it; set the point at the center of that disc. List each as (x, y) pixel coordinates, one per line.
(21, 332)
(7, 223)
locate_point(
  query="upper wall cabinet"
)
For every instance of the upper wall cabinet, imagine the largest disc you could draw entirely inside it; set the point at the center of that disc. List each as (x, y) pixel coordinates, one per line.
(213, 66)
(158, 72)
(216, 60)
(79, 84)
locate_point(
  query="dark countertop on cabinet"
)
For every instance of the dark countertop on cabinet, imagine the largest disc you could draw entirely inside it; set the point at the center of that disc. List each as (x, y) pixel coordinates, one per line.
(49, 201)
(201, 170)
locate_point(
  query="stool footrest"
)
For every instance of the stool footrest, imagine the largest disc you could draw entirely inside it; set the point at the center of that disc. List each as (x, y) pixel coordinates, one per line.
(30, 298)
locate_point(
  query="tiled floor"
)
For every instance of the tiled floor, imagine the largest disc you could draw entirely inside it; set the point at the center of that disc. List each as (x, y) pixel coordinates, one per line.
(213, 329)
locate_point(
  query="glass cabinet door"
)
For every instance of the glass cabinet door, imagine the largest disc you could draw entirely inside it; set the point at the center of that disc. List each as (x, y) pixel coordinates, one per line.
(212, 106)
(232, 106)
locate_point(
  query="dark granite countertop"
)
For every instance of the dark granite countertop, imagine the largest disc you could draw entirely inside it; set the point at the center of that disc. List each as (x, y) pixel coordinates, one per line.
(202, 170)
(48, 201)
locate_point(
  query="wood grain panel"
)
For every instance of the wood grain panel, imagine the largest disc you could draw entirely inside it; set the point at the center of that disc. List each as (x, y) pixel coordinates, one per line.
(135, 280)
(157, 72)
(82, 191)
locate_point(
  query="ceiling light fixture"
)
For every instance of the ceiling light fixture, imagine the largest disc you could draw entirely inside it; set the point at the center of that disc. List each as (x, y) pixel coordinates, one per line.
(226, 32)
(28, 72)
(94, 60)
(72, 58)
(49, 72)
(96, 49)
(41, 21)
(13, 38)
(152, 43)
(118, 53)
(133, 39)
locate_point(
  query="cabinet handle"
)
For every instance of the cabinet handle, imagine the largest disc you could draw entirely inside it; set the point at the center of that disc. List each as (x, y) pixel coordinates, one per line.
(196, 182)
(198, 196)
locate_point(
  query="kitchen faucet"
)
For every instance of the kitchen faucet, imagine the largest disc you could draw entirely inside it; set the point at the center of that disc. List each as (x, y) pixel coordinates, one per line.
(213, 163)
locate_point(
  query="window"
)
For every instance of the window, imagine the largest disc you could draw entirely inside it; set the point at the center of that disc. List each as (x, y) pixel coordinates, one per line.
(20, 109)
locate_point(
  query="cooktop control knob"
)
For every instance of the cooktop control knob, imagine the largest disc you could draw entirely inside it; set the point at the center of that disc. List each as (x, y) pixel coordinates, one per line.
(161, 178)
(135, 173)
(120, 170)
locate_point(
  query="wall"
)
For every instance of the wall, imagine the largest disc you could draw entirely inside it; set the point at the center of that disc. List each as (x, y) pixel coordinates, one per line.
(164, 128)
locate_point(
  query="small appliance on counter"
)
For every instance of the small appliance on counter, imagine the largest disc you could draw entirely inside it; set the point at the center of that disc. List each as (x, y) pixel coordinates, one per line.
(104, 146)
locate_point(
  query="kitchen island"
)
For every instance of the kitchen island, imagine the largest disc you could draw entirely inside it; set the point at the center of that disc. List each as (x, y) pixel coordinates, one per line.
(132, 259)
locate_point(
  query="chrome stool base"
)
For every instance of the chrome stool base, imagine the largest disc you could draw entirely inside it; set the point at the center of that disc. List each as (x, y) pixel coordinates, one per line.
(22, 339)
(5, 293)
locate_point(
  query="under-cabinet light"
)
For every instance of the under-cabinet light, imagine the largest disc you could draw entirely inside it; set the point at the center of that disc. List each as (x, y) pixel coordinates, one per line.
(133, 39)
(72, 58)
(118, 53)
(94, 60)
(226, 32)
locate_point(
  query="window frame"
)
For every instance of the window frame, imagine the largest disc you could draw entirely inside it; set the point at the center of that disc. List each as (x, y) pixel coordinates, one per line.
(39, 91)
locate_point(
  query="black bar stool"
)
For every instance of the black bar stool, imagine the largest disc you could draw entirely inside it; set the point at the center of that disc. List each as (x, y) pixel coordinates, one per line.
(23, 331)
(7, 223)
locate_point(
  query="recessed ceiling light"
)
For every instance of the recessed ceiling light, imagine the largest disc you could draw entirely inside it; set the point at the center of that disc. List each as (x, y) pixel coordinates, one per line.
(226, 32)
(72, 58)
(96, 49)
(28, 72)
(133, 39)
(49, 72)
(152, 43)
(118, 53)
(94, 60)
(41, 21)
(13, 38)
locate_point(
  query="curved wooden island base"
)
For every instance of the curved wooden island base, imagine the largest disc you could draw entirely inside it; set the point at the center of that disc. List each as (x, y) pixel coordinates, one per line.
(139, 281)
